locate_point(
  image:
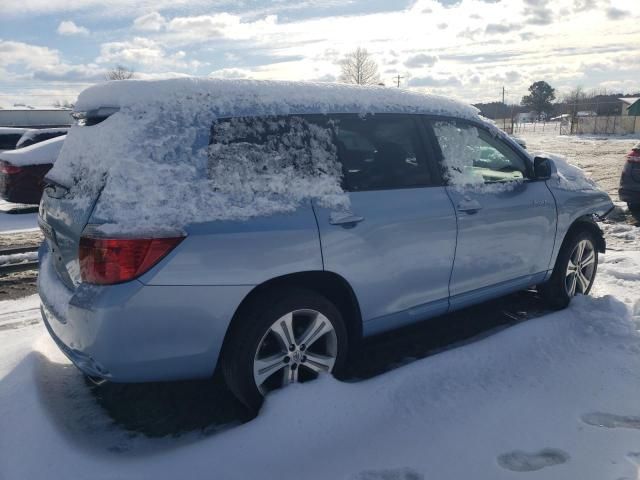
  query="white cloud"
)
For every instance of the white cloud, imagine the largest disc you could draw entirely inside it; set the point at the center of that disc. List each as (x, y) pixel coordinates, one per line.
(145, 52)
(231, 73)
(420, 60)
(68, 27)
(151, 22)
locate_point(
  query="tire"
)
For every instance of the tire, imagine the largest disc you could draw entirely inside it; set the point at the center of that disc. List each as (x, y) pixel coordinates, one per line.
(256, 360)
(634, 208)
(557, 291)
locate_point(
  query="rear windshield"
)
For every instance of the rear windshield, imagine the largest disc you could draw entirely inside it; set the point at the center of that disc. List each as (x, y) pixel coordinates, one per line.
(8, 141)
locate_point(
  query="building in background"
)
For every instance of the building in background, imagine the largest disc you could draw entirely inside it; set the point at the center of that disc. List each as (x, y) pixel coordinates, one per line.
(630, 106)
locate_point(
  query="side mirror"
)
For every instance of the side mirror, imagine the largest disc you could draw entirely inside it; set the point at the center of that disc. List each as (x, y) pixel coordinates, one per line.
(542, 168)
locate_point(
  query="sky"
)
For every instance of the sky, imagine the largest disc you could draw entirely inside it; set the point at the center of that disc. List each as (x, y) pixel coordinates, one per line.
(468, 49)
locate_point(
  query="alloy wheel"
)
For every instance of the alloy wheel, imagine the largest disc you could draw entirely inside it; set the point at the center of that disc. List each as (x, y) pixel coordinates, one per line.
(296, 347)
(581, 268)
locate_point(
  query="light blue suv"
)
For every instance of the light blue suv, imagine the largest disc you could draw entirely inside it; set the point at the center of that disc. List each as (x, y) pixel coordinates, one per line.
(444, 211)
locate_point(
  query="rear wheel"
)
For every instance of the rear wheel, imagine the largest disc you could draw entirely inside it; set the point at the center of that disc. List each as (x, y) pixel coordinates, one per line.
(575, 270)
(290, 338)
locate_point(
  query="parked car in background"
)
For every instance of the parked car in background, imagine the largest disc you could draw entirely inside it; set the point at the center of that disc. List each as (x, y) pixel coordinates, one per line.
(10, 136)
(238, 224)
(630, 180)
(40, 135)
(22, 171)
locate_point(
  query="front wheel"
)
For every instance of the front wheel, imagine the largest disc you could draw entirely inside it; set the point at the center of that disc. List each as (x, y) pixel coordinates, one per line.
(574, 272)
(284, 339)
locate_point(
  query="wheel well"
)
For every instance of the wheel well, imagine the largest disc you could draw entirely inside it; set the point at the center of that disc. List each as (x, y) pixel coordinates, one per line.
(330, 285)
(587, 223)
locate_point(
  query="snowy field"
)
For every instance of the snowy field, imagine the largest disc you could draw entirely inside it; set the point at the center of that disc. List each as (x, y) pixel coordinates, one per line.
(600, 156)
(552, 397)
(16, 222)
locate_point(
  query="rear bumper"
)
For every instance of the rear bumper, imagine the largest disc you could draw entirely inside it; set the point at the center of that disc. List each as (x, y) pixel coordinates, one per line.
(133, 332)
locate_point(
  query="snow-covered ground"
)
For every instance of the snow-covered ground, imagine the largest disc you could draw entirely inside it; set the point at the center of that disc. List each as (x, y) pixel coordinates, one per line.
(600, 156)
(552, 397)
(16, 222)
(13, 223)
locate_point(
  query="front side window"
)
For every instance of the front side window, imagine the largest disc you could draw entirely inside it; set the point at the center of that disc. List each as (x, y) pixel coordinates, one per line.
(472, 156)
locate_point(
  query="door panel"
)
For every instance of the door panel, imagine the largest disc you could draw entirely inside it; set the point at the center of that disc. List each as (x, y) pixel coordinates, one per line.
(510, 235)
(395, 245)
(398, 258)
(506, 222)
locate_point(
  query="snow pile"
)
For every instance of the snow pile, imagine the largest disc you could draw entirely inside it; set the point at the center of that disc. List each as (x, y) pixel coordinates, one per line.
(532, 398)
(18, 258)
(154, 161)
(37, 154)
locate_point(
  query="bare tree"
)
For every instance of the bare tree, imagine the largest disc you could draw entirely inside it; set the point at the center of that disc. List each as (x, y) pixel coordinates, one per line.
(119, 73)
(358, 67)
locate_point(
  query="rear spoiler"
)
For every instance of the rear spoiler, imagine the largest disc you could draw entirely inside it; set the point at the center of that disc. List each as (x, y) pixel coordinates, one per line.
(92, 117)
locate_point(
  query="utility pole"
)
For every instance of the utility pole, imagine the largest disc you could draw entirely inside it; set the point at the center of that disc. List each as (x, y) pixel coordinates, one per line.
(504, 120)
(398, 78)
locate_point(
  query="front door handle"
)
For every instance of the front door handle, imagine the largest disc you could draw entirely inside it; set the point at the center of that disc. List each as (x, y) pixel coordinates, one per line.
(469, 206)
(345, 219)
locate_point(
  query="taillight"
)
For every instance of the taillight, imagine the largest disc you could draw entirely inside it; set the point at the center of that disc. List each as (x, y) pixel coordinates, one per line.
(9, 169)
(634, 156)
(107, 261)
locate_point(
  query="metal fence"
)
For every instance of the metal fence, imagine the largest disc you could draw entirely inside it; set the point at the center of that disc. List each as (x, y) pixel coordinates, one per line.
(606, 125)
(600, 125)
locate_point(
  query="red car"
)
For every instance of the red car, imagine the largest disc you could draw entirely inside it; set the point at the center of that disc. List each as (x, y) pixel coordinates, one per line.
(22, 171)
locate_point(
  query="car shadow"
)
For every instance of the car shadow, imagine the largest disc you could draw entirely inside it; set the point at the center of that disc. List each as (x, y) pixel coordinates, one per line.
(177, 408)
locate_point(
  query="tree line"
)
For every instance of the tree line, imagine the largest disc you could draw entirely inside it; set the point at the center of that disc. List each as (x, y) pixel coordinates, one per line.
(541, 101)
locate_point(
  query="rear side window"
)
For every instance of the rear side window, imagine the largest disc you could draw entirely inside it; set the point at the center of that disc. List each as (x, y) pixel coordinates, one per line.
(374, 152)
(471, 155)
(380, 152)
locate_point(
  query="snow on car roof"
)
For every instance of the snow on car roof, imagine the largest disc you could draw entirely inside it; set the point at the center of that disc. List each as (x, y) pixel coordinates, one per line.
(36, 154)
(260, 97)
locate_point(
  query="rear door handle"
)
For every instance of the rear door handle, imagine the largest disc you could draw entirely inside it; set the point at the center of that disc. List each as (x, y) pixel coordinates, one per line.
(345, 219)
(469, 206)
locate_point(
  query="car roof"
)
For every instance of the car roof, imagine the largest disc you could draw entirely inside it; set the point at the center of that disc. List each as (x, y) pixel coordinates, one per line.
(36, 154)
(260, 97)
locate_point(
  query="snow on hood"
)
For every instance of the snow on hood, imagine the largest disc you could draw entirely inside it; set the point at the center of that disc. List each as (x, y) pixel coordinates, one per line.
(37, 154)
(155, 168)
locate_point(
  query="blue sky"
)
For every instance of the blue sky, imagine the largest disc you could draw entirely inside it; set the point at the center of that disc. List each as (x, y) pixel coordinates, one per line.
(52, 49)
